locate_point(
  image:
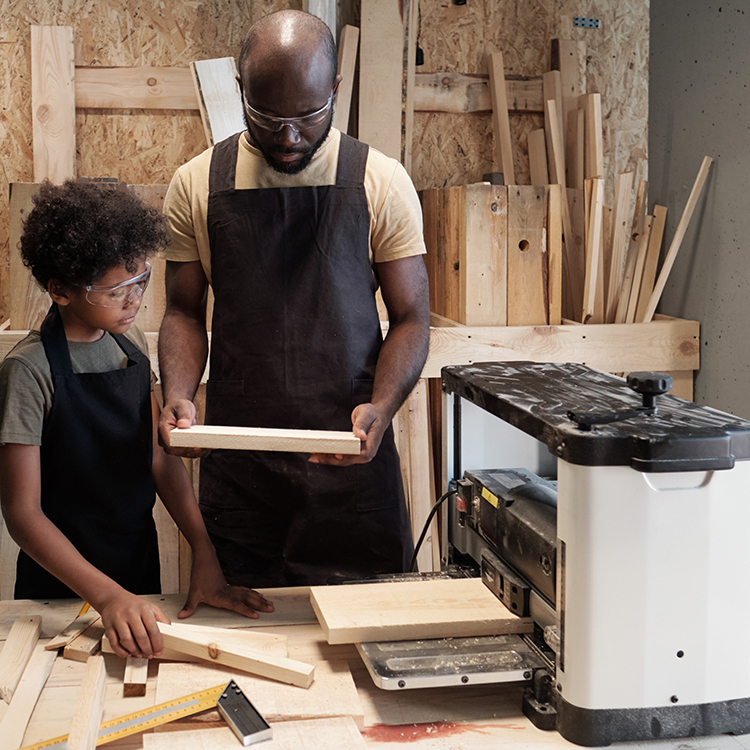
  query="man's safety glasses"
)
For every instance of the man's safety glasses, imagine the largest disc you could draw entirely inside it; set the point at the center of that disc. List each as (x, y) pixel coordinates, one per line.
(274, 124)
(121, 294)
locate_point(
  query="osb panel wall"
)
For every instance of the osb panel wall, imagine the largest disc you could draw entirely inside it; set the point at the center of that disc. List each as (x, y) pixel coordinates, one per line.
(137, 146)
(457, 149)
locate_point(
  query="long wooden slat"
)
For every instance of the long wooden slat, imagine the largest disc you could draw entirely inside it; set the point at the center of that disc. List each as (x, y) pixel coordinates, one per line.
(266, 439)
(593, 251)
(634, 244)
(71, 631)
(679, 234)
(16, 653)
(218, 95)
(537, 146)
(652, 261)
(503, 151)
(53, 103)
(216, 651)
(84, 728)
(554, 254)
(440, 608)
(348, 44)
(619, 241)
(527, 255)
(13, 724)
(594, 162)
(574, 258)
(644, 237)
(553, 126)
(137, 87)
(410, 34)
(87, 644)
(458, 93)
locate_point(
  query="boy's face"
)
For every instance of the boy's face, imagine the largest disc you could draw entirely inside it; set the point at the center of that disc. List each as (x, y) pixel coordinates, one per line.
(87, 313)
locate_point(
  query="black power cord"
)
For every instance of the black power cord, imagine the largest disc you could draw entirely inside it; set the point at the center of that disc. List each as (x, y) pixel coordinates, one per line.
(427, 526)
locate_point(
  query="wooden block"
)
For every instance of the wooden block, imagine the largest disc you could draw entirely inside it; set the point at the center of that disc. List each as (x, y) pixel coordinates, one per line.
(500, 123)
(527, 256)
(440, 608)
(248, 660)
(553, 126)
(84, 729)
(53, 103)
(593, 250)
(483, 256)
(634, 243)
(677, 239)
(594, 161)
(14, 722)
(137, 87)
(652, 260)
(87, 644)
(644, 236)
(619, 243)
(538, 157)
(347, 51)
(69, 632)
(266, 439)
(16, 653)
(135, 678)
(554, 254)
(219, 98)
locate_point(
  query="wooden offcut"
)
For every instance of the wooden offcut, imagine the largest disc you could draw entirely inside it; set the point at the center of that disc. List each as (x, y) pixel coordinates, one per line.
(635, 243)
(87, 644)
(347, 52)
(640, 262)
(594, 162)
(619, 243)
(16, 653)
(440, 608)
(593, 252)
(265, 439)
(537, 145)
(651, 262)
(135, 678)
(500, 122)
(553, 126)
(71, 631)
(219, 98)
(554, 254)
(84, 729)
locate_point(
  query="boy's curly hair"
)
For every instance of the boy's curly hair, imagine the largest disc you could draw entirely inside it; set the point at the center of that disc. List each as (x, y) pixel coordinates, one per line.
(78, 231)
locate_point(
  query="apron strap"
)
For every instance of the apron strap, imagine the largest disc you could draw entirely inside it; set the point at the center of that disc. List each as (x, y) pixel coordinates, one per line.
(350, 170)
(221, 174)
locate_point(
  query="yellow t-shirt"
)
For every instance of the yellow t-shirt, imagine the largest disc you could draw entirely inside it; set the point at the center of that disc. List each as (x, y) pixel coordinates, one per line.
(395, 211)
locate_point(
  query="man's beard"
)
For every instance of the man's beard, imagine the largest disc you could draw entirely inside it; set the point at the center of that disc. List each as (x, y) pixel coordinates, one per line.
(293, 167)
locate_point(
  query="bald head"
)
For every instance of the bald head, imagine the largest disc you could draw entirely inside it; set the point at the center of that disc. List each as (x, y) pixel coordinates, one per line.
(287, 43)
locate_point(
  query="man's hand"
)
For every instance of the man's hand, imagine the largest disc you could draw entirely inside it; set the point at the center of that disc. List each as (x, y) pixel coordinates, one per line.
(179, 413)
(207, 584)
(130, 625)
(369, 425)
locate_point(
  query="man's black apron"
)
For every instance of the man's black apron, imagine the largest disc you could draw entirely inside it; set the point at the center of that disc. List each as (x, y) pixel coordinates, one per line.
(295, 340)
(97, 486)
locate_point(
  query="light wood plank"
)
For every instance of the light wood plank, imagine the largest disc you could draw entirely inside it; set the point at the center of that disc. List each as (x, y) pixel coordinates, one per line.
(634, 243)
(553, 126)
(14, 723)
(652, 261)
(347, 51)
(410, 15)
(71, 631)
(248, 660)
(679, 234)
(218, 95)
(620, 225)
(137, 87)
(569, 58)
(593, 251)
(84, 729)
(554, 254)
(527, 255)
(574, 257)
(594, 161)
(440, 608)
(643, 237)
(458, 93)
(135, 678)
(266, 439)
(537, 146)
(87, 644)
(16, 653)
(53, 103)
(503, 151)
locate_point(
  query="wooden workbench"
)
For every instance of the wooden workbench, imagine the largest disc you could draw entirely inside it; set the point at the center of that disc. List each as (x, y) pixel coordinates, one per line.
(466, 718)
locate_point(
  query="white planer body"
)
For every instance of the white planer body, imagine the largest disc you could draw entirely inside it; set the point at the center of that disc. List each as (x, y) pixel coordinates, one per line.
(636, 579)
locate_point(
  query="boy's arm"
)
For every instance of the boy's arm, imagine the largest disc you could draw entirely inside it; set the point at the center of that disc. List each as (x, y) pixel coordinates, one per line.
(207, 582)
(130, 621)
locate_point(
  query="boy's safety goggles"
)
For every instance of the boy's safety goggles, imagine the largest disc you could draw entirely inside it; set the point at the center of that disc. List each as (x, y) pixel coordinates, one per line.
(120, 294)
(274, 124)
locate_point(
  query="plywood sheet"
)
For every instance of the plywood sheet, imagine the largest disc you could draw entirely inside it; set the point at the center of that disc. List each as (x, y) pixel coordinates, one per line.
(440, 608)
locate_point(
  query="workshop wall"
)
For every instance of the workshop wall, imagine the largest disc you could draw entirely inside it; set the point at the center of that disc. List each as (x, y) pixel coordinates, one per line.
(700, 106)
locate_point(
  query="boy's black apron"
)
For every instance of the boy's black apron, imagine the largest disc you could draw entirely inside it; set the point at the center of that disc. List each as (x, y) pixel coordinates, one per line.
(97, 486)
(295, 340)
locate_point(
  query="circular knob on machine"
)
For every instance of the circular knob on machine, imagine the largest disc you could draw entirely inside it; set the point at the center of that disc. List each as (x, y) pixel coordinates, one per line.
(650, 385)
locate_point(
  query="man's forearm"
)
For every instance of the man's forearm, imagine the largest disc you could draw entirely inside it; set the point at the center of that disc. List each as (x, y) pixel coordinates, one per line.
(183, 350)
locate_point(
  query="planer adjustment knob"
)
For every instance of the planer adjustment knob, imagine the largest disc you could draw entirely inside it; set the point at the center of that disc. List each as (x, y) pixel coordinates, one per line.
(650, 385)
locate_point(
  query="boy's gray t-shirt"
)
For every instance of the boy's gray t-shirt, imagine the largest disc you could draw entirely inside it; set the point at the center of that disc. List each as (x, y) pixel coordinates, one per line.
(26, 388)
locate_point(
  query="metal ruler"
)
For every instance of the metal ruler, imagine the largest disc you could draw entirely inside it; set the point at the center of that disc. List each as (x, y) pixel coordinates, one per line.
(124, 726)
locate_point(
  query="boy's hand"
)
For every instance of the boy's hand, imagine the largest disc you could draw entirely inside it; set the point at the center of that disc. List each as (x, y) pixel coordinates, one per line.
(207, 584)
(130, 624)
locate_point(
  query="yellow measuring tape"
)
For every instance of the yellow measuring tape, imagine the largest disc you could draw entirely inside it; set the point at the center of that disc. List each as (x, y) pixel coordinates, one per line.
(124, 726)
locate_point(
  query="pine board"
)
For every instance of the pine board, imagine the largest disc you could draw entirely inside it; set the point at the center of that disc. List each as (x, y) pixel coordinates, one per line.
(219, 98)
(16, 653)
(412, 609)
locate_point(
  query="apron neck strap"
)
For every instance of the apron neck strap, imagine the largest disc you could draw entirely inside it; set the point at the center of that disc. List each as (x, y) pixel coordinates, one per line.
(350, 170)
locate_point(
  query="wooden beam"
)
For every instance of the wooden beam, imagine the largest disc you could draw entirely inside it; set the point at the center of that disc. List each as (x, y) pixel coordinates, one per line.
(87, 644)
(266, 439)
(135, 677)
(619, 242)
(554, 254)
(137, 87)
(500, 122)
(53, 103)
(347, 51)
(441, 608)
(593, 251)
(218, 95)
(652, 261)
(537, 146)
(84, 728)
(677, 239)
(458, 93)
(215, 650)
(19, 645)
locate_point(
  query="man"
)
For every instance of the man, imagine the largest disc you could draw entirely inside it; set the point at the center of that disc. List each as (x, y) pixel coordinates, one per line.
(295, 225)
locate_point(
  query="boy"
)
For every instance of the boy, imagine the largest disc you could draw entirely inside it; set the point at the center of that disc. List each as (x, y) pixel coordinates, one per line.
(79, 462)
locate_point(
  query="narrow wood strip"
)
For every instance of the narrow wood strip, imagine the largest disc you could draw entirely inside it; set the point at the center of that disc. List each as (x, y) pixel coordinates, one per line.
(634, 244)
(19, 645)
(652, 261)
(554, 253)
(620, 225)
(538, 157)
(218, 95)
(135, 678)
(71, 631)
(594, 162)
(593, 250)
(87, 644)
(500, 121)
(644, 238)
(84, 729)
(574, 231)
(553, 126)
(348, 45)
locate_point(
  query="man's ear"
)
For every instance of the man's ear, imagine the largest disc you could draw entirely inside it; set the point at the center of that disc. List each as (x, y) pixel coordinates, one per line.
(59, 293)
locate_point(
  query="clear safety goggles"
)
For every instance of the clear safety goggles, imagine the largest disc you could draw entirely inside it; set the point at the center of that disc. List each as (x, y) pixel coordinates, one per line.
(121, 294)
(274, 124)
